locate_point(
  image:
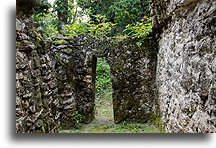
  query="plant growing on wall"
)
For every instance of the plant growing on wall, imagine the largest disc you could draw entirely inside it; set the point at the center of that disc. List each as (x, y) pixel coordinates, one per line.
(75, 28)
(63, 18)
(119, 12)
(101, 28)
(140, 30)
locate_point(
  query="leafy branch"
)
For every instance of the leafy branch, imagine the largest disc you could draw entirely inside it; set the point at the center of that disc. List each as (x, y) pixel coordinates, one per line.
(140, 30)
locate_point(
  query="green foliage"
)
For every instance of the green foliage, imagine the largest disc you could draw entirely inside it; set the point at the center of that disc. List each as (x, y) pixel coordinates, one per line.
(64, 12)
(157, 121)
(42, 8)
(67, 13)
(140, 30)
(94, 7)
(102, 28)
(77, 117)
(18, 43)
(75, 28)
(124, 127)
(62, 8)
(120, 12)
(127, 12)
(38, 37)
(103, 81)
(108, 18)
(46, 23)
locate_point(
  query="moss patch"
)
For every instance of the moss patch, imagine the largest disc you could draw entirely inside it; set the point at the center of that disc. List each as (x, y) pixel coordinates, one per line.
(60, 42)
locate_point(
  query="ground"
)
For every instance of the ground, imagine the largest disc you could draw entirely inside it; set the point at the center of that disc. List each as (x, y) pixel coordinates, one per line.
(104, 121)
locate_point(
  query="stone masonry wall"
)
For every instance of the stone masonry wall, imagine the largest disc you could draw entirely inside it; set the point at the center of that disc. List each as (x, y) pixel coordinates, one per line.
(132, 73)
(55, 79)
(43, 100)
(82, 70)
(186, 64)
(32, 63)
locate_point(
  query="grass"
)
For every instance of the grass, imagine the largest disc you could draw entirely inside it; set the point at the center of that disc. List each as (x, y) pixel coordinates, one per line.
(104, 120)
(123, 127)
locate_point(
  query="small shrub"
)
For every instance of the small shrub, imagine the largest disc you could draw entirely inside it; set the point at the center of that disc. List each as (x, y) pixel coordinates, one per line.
(140, 30)
(75, 28)
(101, 28)
(78, 118)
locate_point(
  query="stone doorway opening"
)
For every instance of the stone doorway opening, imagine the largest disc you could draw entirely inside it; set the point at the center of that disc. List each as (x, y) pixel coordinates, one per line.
(103, 94)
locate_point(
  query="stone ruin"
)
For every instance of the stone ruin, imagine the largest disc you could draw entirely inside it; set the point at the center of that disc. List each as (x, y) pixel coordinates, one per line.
(186, 64)
(172, 74)
(63, 79)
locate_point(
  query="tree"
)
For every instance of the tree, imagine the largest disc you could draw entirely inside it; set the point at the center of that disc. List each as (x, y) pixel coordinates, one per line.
(120, 12)
(107, 17)
(42, 8)
(42, 15)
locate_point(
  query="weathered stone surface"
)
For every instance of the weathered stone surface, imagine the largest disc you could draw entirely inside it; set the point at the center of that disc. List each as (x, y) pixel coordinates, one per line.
(186, 64)
(55, 79)
(132, 73)
(43, 99)
(133, 77)
(59, 79)
(19, 26)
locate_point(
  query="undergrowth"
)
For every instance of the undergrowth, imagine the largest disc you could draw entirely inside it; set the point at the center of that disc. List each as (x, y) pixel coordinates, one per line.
(123, 127)
(103, 81)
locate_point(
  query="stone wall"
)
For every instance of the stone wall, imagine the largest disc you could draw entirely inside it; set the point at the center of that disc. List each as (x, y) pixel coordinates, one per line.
(186, 64)
(133, 71)
(81, 70)
(175, 72)
(55, 79)
(43, 100)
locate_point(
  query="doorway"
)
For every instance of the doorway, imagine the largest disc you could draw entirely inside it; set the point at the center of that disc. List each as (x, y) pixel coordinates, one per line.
(103, 98)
